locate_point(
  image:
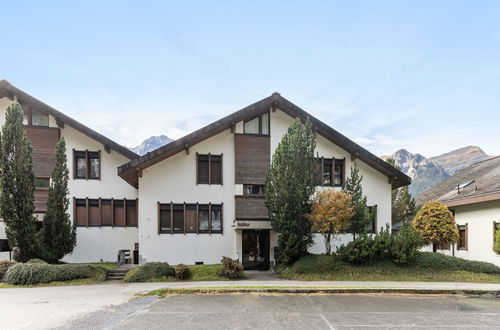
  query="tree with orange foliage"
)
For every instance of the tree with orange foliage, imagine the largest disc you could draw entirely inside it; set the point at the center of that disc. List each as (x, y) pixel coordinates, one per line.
(331, 214)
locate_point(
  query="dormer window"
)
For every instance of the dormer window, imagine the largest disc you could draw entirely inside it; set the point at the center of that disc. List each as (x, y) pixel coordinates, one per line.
(257, 125)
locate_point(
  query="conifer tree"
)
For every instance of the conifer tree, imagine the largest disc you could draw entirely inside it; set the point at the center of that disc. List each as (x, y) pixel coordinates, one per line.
(403, 204)
(17, 186)
(58, 234)
(288, 191)
(362, 218)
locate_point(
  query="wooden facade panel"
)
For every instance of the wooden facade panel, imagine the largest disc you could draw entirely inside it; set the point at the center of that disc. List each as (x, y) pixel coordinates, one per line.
(250, 207)
(191, 221)
(44, 141)
(41, 197)
(252, 158)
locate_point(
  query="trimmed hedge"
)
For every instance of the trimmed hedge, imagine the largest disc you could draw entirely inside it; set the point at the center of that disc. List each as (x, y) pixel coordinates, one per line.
(439, 261)
(149, 271)
(27, 274)
(4, 265)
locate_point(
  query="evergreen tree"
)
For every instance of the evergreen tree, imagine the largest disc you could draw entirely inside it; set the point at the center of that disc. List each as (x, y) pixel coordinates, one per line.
(403, 204)
(362, 218)
(58, 235)
(17, 186)
(289, 188)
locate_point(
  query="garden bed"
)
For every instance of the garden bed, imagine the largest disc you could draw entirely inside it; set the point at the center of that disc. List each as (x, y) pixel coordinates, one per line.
(428, 267)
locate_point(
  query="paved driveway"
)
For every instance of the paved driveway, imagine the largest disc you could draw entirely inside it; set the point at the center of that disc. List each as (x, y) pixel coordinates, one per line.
(260, 311)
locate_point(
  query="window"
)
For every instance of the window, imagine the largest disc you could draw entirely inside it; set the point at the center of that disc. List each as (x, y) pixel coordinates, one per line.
(496, 227)
(4, 245)
(253, 189)
(87, 165)
(39, 119)
(189, 218)
(42, 183)
(209, 169)
(462, 237)
(331, 172)
(105, 212)
(257, 125)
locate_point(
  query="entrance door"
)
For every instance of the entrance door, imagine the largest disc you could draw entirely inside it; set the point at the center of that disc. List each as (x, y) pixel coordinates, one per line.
(255, 249)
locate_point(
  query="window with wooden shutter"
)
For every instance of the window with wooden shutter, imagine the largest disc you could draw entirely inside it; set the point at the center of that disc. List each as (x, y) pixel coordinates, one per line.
(119, 213)
(178, 218)
(203, 170)
(131, 214)
(215, 169)
(462, 237)
(80, 212)
(165, 221)
(94, 220)
(191, 218)
(106, 212)
(209, 169)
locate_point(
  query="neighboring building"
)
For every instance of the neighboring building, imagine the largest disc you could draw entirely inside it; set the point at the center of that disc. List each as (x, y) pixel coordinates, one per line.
(473, 196)
(200, 197)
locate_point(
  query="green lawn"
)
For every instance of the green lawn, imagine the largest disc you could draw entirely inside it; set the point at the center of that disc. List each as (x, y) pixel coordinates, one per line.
(429, 267)
(105, 265)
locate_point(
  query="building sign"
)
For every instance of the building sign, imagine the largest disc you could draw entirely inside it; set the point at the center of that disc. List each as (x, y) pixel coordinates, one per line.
(252, 224)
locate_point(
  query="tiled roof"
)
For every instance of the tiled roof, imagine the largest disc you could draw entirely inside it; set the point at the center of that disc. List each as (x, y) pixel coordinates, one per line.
(482, 178)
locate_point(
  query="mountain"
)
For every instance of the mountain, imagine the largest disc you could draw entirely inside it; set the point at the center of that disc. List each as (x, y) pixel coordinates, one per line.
(151, 143)
(428, 172)
(456, 160)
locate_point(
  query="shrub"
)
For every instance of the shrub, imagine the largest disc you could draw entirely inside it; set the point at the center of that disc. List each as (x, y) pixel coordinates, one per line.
(4, 265)
(440, 261)
(496, 246)
(436, 224)
(232, 269)
(182, 272)
(361, 250)
(36, 261)
(405, 245)
(45, 273)
(150, 271)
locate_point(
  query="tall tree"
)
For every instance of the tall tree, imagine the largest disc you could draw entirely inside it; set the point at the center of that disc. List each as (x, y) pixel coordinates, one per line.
(289, 187)
(330, 215)
(436, 224)
(362, 218)
(403, 204)
(58, 234)
(17, 186)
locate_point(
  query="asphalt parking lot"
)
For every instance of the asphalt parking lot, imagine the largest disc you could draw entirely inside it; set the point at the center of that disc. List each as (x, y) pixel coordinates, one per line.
(296, 311)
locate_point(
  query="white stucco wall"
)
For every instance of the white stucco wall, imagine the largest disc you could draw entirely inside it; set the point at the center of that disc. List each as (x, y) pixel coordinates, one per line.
(479, 219)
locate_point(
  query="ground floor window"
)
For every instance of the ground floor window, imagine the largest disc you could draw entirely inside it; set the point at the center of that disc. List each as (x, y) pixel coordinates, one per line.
(462, 237)
(174, 218)
(105, 212)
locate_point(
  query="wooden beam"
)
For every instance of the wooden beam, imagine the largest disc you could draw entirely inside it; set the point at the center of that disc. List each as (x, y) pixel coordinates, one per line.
(354, 156)
(107, 148)
(139, 172)
(186, 148)
(233, 127)
(274, 106)
(59, 122)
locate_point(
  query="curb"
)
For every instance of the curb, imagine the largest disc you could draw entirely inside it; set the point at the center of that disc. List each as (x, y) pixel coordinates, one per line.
(180, 291)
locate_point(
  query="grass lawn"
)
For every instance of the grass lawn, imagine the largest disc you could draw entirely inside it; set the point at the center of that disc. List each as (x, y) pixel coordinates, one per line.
(105, 265)
(429, 267)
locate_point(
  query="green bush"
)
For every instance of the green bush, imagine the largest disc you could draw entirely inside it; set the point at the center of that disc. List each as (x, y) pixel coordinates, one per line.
(4, 265)
(45, 273)
(439, 261)
(496, 246)
(362, 250)
(36, 261)
(149, 271)
(405, 245)
(232, 269)
(182, 272)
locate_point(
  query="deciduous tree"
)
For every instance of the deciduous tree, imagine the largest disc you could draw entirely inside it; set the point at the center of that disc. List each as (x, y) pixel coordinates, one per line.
(330, 215)
(289, 187)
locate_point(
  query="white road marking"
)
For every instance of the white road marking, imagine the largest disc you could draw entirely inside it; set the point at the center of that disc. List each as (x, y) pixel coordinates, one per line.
(326, 321)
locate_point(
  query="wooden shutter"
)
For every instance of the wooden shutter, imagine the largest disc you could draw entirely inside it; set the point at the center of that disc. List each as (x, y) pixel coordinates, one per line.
(165, 221)
(94, 218)
(119, 213)
(178, 218)
(131, 213)
(80, 212)
(106, 212)
(203, 171)
(191, 220)
(215, 169)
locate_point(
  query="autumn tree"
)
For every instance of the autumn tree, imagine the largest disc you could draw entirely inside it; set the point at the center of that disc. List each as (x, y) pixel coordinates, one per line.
(436, 224)
(17, 186)
(289, 188)
(330, 215)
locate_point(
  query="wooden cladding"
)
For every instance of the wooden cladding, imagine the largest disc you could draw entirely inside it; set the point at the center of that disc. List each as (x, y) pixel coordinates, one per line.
(43, 141)
(251, 208)
(208, 169)
(252, 158)
(105, 212)
(41, 197)
(188, 218)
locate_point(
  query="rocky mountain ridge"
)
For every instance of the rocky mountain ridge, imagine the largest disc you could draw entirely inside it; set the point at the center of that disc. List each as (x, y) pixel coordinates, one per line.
(151, 143)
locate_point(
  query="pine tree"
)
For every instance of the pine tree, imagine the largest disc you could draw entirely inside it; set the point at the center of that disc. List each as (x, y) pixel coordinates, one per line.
(17, 186)
(403, 204)
(361, 219)
(289, 187)
(58, 234)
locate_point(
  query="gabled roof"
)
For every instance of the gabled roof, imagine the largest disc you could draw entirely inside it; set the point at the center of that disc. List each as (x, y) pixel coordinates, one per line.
(8, 90)
(131, 170)
(478, 183)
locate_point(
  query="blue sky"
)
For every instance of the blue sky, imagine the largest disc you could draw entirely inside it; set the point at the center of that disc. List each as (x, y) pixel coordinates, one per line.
(421, 75)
